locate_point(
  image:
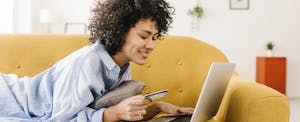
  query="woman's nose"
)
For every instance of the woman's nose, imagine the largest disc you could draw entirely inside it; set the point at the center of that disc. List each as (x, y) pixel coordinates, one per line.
(150, 44)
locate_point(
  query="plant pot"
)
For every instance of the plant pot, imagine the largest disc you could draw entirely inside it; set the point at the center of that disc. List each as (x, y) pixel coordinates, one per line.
(269, 53)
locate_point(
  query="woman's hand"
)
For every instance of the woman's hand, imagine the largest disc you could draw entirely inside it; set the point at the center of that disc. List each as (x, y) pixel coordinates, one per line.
(173, 109)
(167, 108)
(130, 109)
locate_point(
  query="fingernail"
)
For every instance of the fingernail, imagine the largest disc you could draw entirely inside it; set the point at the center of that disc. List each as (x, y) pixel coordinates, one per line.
(149, 99)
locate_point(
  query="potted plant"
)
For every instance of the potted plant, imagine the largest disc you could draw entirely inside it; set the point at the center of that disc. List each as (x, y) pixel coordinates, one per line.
(196, 13)
(270, 46)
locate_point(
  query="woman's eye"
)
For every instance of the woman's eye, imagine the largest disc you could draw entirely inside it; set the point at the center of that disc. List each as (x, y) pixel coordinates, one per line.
(143, 37)
(154, 39)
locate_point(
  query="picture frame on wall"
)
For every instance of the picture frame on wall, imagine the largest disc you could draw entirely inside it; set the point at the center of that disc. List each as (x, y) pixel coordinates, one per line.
(75, 28)
(239, 4)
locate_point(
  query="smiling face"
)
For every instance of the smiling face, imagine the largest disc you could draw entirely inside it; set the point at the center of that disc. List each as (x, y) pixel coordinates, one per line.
(139, 43)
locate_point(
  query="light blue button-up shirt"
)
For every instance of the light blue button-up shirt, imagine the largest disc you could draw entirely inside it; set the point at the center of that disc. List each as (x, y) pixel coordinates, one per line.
(64, 91)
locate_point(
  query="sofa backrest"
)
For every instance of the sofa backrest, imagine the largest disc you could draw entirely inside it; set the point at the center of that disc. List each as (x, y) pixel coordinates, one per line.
(29, 54)
(178, 63)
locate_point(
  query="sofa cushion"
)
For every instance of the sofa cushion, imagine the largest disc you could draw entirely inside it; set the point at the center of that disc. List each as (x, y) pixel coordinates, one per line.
(126, 89)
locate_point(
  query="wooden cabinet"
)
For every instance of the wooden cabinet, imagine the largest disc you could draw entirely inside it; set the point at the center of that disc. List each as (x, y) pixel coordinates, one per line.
(271, 71)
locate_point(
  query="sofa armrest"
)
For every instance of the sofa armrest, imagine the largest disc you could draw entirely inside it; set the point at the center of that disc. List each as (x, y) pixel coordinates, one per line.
(248, 101)
(253, 102)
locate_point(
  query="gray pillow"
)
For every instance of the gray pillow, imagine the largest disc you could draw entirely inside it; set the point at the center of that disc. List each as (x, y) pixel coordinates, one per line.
(124, 90)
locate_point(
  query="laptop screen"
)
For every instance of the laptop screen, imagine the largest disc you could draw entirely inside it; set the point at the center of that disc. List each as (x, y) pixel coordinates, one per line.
(213, 90)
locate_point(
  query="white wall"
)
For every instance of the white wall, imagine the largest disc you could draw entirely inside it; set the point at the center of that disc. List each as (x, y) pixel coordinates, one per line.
(67, 11)
(240, 34)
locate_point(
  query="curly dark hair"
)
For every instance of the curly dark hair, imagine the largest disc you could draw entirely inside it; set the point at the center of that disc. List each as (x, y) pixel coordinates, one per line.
(112, 19)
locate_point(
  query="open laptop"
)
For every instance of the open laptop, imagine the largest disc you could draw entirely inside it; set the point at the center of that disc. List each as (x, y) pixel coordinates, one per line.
(211, 95)
(213, 90)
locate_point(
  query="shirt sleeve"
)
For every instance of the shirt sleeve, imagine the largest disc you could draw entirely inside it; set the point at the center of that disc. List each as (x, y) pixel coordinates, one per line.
(75, 89)
(90, 115)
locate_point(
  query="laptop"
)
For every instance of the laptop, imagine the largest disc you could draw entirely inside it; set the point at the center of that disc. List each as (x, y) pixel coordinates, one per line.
(213, 90)
(211, 95)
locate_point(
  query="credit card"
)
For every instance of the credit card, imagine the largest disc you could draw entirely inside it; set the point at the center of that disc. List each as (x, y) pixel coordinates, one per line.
(156, 95)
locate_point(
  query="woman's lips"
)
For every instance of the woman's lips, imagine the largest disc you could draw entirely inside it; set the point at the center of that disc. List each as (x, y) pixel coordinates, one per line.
(144, 54)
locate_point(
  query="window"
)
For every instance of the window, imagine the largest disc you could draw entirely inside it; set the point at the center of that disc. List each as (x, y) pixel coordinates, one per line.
(6, 16)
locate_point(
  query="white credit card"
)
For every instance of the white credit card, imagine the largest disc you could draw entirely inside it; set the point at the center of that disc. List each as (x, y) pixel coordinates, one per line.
(156, 95)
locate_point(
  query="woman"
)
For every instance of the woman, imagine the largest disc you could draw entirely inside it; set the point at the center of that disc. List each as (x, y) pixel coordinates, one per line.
(122, 31)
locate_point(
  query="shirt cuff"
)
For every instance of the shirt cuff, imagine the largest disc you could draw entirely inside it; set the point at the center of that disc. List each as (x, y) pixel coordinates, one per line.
(98, 115)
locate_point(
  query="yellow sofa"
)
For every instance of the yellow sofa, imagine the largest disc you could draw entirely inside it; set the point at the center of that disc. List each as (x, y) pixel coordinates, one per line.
(179, 64)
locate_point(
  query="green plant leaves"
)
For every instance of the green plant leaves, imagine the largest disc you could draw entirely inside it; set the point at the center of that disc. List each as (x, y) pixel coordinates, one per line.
(197, 12)
(270, 45)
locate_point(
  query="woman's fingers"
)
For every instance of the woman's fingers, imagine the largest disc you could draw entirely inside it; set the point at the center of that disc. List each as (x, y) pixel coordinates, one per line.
(137, 115)
(139, 102)
(133, 108)
(186, 110)
(137, 108)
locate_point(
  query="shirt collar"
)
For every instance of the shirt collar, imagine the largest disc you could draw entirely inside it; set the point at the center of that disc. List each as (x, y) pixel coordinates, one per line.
(107, 59)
